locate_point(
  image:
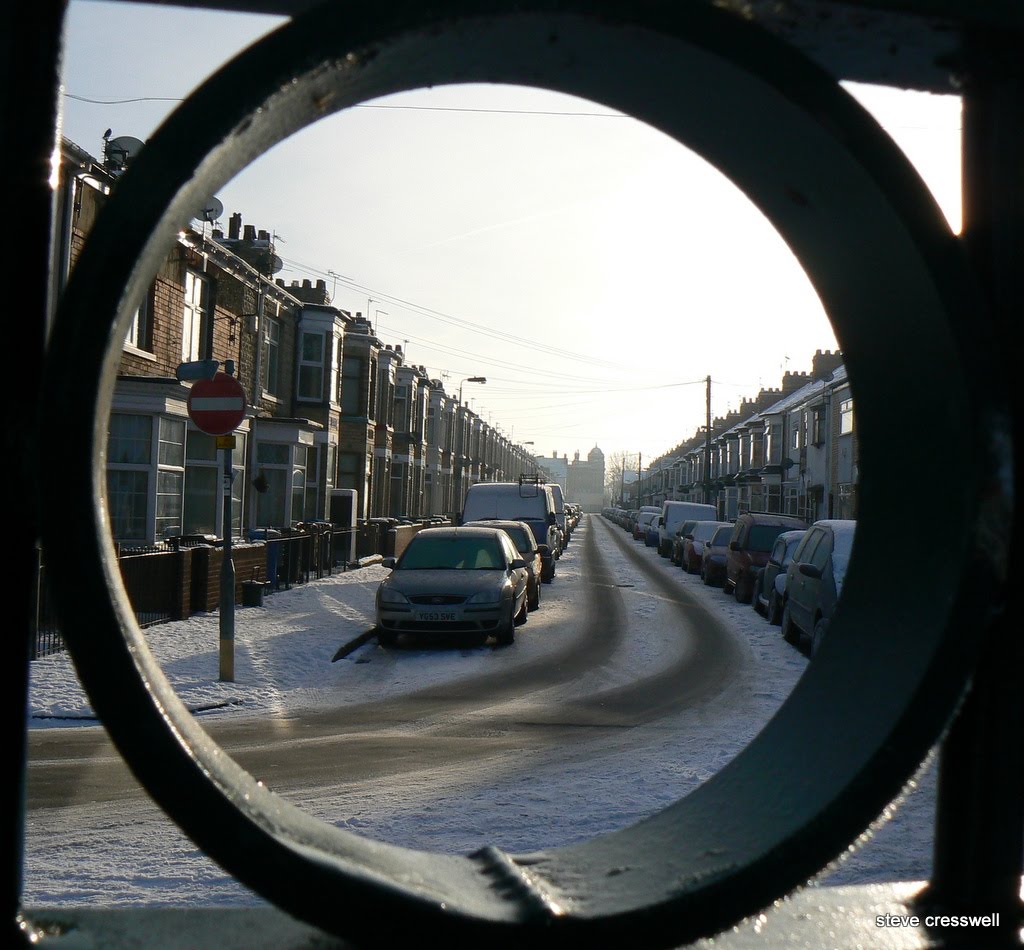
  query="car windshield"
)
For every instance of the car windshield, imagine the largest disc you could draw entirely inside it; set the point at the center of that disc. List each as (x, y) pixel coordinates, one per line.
(452, 553)
(762, 536)
(521, 535)
(791, 547)
(522, 538)
(841, 556)
(721, 537)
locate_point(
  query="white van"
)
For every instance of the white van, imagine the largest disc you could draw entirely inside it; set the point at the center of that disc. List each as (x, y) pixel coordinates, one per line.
(527, 501)
(563, 526)
(673, 514)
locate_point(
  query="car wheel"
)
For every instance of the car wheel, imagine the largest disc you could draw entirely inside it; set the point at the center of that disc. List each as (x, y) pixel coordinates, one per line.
(774, 608)
(742, 592)
(755, 593)
(507, 631)
(705, 576)
(387, 638)
(820, 628)
(790, 633)
(533, 600)
(521, 617)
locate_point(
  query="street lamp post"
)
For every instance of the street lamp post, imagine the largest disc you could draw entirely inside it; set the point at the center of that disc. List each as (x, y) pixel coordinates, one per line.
(470, 379)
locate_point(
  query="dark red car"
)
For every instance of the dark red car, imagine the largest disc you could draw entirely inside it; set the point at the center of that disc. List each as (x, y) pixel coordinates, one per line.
(753, 535)
(712, 565)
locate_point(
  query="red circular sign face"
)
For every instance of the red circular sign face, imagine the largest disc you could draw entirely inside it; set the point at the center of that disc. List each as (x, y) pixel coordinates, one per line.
(217, 406)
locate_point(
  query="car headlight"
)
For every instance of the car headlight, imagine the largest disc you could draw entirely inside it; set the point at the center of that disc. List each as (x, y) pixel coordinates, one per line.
(389, 596)
(485, 597)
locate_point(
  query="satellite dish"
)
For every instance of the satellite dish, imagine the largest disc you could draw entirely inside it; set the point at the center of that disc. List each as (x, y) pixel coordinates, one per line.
(118, 152)
(210, 211)
(275, 264)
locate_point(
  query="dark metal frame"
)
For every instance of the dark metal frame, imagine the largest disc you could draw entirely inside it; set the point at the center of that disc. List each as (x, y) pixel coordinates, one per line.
(889, 678)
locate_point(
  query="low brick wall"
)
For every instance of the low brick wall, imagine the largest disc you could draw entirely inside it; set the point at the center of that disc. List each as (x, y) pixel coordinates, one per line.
(250, 562)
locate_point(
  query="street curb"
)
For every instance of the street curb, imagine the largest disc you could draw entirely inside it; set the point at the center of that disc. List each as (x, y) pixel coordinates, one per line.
(346, 648)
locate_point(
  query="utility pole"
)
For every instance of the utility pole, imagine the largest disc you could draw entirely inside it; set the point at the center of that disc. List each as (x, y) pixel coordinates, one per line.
(707, 442)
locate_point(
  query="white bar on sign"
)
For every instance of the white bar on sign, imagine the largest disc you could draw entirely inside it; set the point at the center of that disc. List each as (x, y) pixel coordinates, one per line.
(217, 403)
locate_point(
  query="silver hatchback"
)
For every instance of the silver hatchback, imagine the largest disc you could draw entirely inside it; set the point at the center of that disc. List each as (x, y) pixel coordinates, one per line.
(464, 582)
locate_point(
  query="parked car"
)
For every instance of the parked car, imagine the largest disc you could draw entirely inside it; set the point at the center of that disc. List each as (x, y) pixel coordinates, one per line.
(469, 582)
(693, 547)
(673, 514)
(638, 529)
(538, 557)
(525, 500)
(814, 581)
(679, 541)
(770, 585)
(712, 562)
(643, 525)
(575, 515)
(560, 514)
(753, 534)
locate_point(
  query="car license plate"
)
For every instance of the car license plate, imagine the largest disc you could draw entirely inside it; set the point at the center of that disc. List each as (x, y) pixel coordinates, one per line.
(437, 616)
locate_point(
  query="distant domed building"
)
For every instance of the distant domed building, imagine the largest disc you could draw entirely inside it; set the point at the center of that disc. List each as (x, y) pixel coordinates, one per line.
(585, 481)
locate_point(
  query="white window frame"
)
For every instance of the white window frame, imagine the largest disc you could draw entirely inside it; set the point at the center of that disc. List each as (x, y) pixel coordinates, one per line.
(271, 370)
(846, 417)
(194, 316)
(315, 393)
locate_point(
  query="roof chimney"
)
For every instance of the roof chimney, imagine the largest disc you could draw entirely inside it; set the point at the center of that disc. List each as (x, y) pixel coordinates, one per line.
(235, 225)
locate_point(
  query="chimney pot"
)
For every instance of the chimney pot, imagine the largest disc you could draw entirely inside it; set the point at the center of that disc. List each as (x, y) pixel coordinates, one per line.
(250, 232)
(264, 235)
(307, 284)
(235, 225)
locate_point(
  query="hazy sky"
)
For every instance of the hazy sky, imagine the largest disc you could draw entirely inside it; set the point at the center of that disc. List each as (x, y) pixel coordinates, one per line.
(594, 270)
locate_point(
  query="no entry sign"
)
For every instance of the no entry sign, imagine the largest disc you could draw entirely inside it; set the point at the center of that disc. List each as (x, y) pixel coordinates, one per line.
(217, 406)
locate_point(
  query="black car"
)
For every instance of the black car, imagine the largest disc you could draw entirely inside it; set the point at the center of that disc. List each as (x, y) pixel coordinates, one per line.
(770, 584)
(712, 564)
(540, 562)
(814, 580)
(679, 541)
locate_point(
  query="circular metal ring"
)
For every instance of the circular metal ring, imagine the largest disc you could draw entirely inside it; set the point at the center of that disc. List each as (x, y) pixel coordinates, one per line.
(893, 281)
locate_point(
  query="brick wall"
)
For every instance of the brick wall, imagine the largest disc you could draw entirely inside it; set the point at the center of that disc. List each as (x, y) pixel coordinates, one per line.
(250, 562)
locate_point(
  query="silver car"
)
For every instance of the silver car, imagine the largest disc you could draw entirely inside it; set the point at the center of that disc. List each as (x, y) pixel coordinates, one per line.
(463, 582)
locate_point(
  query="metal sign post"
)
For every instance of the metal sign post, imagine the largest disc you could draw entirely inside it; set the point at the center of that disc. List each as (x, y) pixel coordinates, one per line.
(217, 405)
(226, 445)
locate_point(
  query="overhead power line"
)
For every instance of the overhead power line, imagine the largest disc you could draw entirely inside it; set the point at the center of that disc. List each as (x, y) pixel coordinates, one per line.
(380, 106)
